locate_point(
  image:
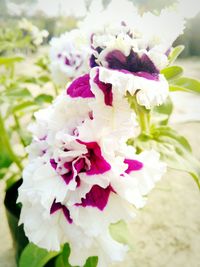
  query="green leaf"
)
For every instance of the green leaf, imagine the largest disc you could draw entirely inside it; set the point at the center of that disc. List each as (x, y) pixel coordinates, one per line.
(175, 52)
(172, 72)
(165, 110)
(33, 256)
(185, 84)
(43, 98)
(62, 259)
(166, 131)
(18, 93)
(10, 60)
(174, 150)
(10, 181)
(25, 136)
(174, 88)
(26, 79)
(44, 78)
(91, 262)
(3, 172)
(43, 62)
(23, 106)
(5, 156)
(120, 232)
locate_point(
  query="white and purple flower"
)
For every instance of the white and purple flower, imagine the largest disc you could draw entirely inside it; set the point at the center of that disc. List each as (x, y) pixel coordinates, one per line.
(128, 62)
(150, 90)
(69, 56)
(82, 176)
(118, 38)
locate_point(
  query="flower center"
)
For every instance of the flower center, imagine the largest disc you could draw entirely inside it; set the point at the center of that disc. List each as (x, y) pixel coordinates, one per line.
(91, 163)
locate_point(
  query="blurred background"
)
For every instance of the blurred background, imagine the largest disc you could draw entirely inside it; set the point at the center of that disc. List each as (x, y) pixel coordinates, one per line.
(167, 232)
(62, 15)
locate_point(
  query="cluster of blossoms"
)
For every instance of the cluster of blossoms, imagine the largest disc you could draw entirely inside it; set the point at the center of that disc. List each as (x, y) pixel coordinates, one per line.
(118, 38)
(82, 175)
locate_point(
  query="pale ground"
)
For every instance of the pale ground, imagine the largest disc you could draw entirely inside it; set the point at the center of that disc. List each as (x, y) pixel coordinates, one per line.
(166, 233)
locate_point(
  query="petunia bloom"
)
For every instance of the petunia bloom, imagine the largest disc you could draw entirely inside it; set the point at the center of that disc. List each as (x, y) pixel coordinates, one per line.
(69, 56)
(82, 176)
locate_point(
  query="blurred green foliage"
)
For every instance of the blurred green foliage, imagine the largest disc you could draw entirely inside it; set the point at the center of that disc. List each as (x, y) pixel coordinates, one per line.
(191, 38)
(12, 40)
(153, 5)
(21, 94)
(55, 26)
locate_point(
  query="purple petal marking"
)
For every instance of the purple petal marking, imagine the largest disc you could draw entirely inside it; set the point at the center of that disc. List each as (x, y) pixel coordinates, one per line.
(75, 132)
(93, 61)
(68, 165)
(78, 181)
(98, 165)
(43, 138)
(132, 63)
(79, 165)
(146, 75)
(147, 65)
(91, 115)
(53, 163)
(67, 177)
(168, 51)
(116, 60)
(106, 88)
(55, 207)
(133, 165)
(97, 197)
(44, 151)
(80, 87)
(67, 214)
(143, 74)
(58, 206)
(67, 61)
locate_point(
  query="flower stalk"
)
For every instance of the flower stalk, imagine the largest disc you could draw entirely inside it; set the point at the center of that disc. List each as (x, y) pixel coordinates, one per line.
(18, 127)
(6, 140)
(143, 115)
(144, 119)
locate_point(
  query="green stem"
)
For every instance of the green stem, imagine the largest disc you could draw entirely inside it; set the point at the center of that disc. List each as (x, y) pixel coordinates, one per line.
(6, 140)
(18, 129)
(143, 116)
(55, 89)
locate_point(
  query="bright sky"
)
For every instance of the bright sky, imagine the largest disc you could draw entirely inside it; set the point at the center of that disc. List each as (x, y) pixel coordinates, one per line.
(62, 7)
(77, 8)
(50, 7)
(189, 8)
